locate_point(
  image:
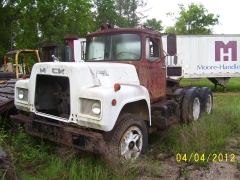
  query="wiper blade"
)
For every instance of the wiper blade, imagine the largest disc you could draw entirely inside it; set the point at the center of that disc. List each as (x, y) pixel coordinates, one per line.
(95, 58)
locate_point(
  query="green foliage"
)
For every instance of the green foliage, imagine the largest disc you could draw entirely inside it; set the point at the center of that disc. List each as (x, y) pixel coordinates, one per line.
(58, 18)
(106, 12)
(3, 136)
(120, 12)
(155, 24)
(27, 148)
(31, 24)
(128, 9)
(194, 20)
(77, 168)
(79, 18)
(35, 159)
(7, 16)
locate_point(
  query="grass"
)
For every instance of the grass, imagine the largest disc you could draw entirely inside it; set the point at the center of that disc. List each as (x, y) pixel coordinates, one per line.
(209, 134)
(32, 158)
(88, 167)
(37, 159)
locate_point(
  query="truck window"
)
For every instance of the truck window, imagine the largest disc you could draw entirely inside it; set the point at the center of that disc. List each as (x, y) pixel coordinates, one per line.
(152, 49)
(114, 47)
(95, 48)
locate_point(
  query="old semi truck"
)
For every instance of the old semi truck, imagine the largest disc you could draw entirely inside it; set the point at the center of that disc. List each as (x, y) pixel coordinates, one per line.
(114, 98)
(215, 57)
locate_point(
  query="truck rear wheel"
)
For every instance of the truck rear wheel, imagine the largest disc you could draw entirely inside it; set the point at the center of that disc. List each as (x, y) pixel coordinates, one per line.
(181, 93)
(206, 99)
(129, 138)
(191, 106)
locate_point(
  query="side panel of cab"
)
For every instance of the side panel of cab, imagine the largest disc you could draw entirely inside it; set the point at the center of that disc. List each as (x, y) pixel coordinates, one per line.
(151, 69)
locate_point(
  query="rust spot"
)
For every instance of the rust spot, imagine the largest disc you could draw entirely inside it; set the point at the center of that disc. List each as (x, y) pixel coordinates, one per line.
(114, 102)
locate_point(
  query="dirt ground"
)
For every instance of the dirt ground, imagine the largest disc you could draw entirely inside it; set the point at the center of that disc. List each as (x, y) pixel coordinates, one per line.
(173, 170)
(214, 171)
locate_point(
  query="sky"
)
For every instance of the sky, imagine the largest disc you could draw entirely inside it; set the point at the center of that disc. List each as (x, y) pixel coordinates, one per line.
(229, 11)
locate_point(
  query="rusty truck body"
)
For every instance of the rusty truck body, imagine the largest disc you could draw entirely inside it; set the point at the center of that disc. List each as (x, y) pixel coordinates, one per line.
(113, 99)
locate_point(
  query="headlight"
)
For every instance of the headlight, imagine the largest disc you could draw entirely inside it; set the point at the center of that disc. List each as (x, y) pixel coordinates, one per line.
(96, 108)
(90, 108)
(20, 94)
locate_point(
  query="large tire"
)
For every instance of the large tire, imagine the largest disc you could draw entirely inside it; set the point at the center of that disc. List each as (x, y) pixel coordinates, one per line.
(191, 106)
(181, 93)
(206, 99)
(129, 137)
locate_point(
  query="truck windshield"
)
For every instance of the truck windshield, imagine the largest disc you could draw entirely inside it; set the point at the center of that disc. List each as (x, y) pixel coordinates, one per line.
(114, 47)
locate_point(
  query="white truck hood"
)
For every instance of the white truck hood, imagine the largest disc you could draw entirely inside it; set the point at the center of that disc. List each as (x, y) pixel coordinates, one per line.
(91, 73)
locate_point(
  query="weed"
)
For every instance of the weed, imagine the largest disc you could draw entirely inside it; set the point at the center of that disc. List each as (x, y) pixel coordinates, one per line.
(184, 173)
(28, 148)
(7, 167)
(238, 145)
(237, 164)
(201, 164)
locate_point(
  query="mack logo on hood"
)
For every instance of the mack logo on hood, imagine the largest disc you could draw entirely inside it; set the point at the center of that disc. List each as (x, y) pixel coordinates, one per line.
(42, 70)
(57, 71)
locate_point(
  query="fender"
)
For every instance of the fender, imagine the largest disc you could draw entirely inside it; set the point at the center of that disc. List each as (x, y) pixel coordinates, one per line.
(128, 93)
(22, 104)
(134, 93)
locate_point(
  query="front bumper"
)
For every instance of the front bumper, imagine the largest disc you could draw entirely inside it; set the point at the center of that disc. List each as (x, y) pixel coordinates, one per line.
(65, 134)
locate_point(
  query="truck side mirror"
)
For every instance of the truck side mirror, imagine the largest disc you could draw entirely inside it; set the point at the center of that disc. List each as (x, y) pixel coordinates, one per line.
(171, 45)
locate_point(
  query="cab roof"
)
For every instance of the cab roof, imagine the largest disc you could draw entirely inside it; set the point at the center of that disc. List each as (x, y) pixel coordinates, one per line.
(122, 30)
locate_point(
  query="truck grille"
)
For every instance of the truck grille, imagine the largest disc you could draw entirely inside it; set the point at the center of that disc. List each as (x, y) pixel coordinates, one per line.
(52, 95)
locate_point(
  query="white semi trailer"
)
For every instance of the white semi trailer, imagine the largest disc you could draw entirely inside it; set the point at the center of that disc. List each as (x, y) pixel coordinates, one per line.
(216, 57)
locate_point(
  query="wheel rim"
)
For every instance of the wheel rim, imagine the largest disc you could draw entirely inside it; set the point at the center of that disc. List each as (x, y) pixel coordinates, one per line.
(209, 104)
(196, 109)
(131, 143)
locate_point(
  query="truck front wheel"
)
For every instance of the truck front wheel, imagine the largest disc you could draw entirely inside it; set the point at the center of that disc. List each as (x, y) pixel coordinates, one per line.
(129, 137)
(191, 106)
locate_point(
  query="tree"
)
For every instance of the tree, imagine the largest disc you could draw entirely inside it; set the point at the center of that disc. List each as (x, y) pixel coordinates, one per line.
(130, 9)
(80, 19)
(194, 20)
(156, 25)
(60, 17)
(31, 23)
(25, 27)
(105, 12)
(8, 15)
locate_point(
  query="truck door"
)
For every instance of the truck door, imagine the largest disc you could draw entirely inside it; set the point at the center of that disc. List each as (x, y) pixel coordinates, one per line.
(156, 71)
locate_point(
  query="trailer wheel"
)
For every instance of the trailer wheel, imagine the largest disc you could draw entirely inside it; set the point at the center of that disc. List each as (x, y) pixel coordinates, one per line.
(206, 99)
(191, 106)
(129, 138)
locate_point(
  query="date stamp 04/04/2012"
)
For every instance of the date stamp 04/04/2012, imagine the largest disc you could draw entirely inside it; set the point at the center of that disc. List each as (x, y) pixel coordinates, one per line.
(211, 157)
